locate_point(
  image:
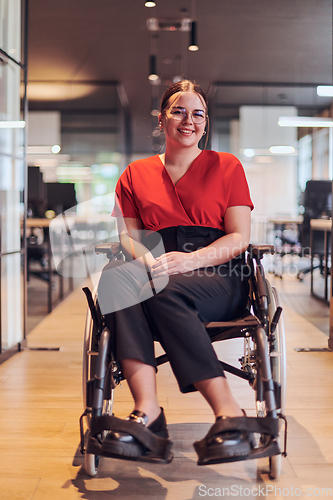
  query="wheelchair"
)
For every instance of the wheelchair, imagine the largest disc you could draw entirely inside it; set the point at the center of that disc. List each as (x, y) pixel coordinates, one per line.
(262, 364)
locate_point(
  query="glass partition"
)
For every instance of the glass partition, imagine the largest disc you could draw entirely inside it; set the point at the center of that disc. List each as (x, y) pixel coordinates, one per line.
(12, 178)
(10, 28)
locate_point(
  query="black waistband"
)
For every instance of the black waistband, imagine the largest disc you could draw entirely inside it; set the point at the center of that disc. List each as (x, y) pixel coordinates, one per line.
(188, 239)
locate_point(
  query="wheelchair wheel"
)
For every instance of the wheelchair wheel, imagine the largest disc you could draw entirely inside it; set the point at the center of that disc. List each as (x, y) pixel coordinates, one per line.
(278, 365)
(278, 348)
(88, 359)
(277, 354)
(91, 463)
(90, 355)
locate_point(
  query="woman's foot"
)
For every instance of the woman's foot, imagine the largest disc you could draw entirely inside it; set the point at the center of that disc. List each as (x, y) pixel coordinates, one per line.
(157, 426)
(151, 412)
(226, 441)
(142, 441)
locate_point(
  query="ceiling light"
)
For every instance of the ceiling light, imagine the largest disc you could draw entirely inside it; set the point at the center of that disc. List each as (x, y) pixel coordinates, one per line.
(249, 153)
(48, 91)
(282, 150)
(325, 90)
(39, 150)
(56, 149)
(150, 4)
(46, 162)
(304, 121)
(50, 214)
(168, 24)
(193, 46)
(152, 68)
(43, 150)
(264, 153)
(73, 171)
(12, 124)
(177, 78)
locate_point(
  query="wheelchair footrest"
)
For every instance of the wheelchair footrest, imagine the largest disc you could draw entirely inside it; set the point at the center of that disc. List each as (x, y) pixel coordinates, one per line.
(268, 450)
(267, 427)
(94, 446)
(153, 448)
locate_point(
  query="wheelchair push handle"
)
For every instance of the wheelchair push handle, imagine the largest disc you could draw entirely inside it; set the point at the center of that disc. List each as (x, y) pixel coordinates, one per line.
(276, 318)
(258, 251)
(112, 250)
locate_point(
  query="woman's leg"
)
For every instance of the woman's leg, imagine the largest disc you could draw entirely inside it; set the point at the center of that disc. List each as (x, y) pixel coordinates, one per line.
(141, 379)
(216, 392)
(144, 434)
(133, 348)
(176, 316)
(119, 298)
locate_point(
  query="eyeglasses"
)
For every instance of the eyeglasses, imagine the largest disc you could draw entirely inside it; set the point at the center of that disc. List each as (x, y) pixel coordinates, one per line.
(179, 114)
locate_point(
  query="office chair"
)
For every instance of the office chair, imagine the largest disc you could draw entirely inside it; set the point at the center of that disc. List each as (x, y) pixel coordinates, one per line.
(317, 203)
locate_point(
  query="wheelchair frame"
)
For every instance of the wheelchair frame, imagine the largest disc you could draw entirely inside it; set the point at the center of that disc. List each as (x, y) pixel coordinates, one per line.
(263, 364)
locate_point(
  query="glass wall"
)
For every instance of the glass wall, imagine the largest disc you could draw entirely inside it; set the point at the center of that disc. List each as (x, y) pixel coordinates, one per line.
(244, 120)
(12, 177)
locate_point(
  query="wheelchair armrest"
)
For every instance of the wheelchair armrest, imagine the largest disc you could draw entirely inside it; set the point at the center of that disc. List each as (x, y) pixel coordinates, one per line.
(258, 251)
(112, 250)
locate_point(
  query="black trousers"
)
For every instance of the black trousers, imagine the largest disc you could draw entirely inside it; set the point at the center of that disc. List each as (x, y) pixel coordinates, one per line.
(172, 313)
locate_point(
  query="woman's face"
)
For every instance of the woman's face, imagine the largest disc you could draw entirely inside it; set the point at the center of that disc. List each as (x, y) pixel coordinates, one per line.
(177, 121)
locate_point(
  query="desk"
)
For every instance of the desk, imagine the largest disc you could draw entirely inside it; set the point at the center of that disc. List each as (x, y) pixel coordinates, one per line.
(297, 219)
(32, 222)
(45, 224)
(324, 225)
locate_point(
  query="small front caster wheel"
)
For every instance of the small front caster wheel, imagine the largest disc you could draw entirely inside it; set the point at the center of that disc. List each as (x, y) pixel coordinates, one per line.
(275, 466)
(91, 462)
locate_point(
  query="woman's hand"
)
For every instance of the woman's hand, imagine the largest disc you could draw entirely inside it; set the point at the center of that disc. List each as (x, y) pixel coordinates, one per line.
(173, 263)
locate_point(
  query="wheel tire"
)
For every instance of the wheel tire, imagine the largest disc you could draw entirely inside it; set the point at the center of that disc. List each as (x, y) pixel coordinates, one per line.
(91, 461)
(91, 464)
(278, 346)
(275, 464)
(86, 366)
(278, 364)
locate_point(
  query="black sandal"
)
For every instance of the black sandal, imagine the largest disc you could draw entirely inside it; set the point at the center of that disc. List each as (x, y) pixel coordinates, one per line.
(131, 439)
(226, 441)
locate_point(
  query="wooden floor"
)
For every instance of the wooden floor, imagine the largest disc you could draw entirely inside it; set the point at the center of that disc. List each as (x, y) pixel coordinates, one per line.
(41, 401)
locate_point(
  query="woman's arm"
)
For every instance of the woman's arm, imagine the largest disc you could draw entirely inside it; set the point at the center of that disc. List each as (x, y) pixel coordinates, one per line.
(130, 231)
(237, 224)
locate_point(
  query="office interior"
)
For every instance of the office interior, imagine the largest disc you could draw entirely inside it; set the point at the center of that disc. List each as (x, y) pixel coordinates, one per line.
(80, 84)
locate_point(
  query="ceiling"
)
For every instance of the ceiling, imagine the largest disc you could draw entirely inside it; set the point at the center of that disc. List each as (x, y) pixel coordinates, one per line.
(78, 49)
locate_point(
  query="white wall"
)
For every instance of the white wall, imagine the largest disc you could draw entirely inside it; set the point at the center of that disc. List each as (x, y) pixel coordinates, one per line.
(273, 186)
(44, 128)
(320, 167)
(272, 178)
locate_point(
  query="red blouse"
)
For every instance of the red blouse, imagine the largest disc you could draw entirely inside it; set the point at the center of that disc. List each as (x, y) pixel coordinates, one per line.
(213, 182)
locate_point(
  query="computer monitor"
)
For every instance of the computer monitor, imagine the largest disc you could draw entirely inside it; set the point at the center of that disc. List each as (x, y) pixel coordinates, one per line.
(60, 196)
(317, 198)
(317, 203)
(36, 192)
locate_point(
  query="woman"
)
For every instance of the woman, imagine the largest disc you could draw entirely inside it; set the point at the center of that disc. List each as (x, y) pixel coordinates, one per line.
(199, 203)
